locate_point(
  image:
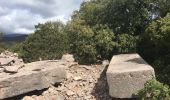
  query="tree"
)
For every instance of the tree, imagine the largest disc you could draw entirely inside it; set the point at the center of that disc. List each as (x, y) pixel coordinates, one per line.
(155, 47)
(122, 16)
(1, 35)
(90, 44)
(49, 41)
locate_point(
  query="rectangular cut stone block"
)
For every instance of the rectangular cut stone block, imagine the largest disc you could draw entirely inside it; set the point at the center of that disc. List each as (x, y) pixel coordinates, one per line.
(34, 76)
(127, 74)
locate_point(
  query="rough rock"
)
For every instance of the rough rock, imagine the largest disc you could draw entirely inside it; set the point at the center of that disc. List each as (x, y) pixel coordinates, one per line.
(9, 58)
(70, 93)
(126, 74)
(6, 61)
(1, 70)
(105, 63)
(34, 76)
(28, 98)
(77, 78)
(68, 57)
(12, 69)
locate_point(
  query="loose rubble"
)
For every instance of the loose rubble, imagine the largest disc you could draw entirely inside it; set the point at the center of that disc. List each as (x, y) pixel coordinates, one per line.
(83, 83)
(10, 63)
(33, 76)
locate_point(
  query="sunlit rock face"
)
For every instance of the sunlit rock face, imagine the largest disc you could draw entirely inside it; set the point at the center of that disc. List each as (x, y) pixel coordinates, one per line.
(127, 74)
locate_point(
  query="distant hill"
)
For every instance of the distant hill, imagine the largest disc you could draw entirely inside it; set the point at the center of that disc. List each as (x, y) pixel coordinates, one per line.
(14, 37)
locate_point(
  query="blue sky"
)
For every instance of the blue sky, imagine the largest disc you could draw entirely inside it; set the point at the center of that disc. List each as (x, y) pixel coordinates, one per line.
(20, 16)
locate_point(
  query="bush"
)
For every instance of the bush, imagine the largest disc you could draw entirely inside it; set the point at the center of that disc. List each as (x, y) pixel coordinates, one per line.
(155, 47)
(162, 68)
(48, 42)
(126, 43)
(154, 90)
(90, 44)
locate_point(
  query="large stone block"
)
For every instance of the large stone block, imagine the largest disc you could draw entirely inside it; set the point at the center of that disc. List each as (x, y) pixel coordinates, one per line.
(34, 76)
(126, 74)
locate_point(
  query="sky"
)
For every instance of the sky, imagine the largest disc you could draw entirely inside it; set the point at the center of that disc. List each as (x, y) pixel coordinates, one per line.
(20, 16)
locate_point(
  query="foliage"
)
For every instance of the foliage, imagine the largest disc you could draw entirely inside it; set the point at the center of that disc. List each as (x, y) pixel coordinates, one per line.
(126, 43)
(90, 44)
(123, 16)
(1, 34)
(154, 90)
(162, 68)
(155, 46)
(125, 19)
(48, 42)
(8, 46)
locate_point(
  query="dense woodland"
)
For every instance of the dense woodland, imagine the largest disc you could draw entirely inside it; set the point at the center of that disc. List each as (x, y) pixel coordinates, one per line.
(103, 28)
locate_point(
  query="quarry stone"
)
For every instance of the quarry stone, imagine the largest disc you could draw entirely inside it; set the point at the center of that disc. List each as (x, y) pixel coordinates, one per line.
(127, 74)
(34, 76)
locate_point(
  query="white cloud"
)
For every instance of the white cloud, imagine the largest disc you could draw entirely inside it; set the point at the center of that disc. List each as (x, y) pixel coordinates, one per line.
(20, 16)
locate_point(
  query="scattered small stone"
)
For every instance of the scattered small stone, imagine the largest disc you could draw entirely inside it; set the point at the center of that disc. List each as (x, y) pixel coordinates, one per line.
(12, 69)
(28, 98)
(105, 63)
(78, 78)
(86, 67)
(70, 93)
(45, 93)
(60, 88)
(1, 70)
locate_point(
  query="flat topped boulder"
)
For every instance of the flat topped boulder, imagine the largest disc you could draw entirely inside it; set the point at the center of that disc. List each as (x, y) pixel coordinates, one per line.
(127, 74)
(33, 76)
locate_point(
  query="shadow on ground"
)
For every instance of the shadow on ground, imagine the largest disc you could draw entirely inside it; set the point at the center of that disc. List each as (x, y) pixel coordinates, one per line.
(19, 97)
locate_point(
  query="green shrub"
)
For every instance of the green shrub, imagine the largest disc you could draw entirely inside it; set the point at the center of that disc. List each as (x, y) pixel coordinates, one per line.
(162, 68)
(126, 43)
(90, 44)
(49, 41)
(154, 90)
(155, 47)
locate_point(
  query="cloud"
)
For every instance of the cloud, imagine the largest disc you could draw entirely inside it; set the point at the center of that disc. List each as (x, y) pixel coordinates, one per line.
(20, 16)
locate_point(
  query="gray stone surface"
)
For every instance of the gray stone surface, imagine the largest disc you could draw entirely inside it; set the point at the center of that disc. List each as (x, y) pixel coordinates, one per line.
(34, 76)
(126, 74)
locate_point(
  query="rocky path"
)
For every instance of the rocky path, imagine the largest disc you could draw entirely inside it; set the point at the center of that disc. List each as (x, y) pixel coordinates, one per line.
(83, 83)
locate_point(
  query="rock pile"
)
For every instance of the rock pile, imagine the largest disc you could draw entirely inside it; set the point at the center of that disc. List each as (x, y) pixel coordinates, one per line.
(84, 82)
(10, 63)
(17, 78)
(34, 76)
